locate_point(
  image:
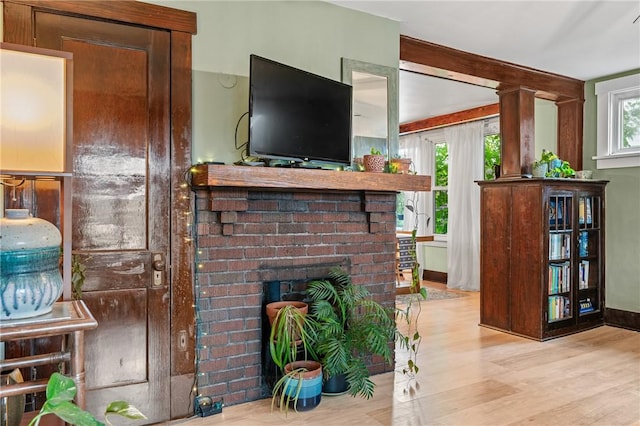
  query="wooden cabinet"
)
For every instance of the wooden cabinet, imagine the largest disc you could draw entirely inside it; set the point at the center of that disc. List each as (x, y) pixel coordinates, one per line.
(542, 256)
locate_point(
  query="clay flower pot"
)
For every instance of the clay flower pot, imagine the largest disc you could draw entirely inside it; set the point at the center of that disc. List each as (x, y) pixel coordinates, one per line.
(373, 163)
(274, 307)
(401, 165)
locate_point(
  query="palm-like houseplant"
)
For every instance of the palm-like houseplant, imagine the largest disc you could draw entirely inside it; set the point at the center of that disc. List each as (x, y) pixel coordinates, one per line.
(349, 325)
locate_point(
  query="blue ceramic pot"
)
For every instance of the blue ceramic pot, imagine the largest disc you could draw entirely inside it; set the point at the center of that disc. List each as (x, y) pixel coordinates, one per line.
(308, 383)
(30, 278)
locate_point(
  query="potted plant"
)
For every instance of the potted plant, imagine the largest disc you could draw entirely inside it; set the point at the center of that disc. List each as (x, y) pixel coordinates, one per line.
(373, 162)
(541, 167)
(399, 165)
(290, 341)
(348, 326)
(60, 393)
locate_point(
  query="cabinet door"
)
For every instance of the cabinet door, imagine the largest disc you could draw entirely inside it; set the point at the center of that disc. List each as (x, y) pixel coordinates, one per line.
(560, 297)
(588, 259)
(495, 220)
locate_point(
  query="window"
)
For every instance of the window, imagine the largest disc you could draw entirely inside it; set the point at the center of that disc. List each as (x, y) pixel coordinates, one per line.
(439, 189)
(441, 177)
(618, 105)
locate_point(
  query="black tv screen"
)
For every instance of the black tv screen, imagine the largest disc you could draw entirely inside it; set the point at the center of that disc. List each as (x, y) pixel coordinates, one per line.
(297, 116)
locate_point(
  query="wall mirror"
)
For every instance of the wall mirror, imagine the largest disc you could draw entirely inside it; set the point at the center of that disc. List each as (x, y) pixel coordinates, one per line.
(375, 107)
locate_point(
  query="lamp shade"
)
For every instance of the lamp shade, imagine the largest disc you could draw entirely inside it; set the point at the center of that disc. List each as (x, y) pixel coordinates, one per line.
(33, 109)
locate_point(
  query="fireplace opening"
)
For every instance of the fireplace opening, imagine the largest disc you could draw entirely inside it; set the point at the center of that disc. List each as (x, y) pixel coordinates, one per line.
(275, 291)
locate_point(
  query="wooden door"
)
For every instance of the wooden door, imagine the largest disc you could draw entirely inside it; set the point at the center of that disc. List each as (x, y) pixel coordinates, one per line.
(121, 199)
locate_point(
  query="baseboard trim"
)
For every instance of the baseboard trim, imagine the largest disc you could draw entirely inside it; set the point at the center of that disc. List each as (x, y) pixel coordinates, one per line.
(435, 276)
(623, 319)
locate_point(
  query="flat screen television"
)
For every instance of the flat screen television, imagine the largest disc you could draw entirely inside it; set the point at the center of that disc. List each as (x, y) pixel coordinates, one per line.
(297, 116)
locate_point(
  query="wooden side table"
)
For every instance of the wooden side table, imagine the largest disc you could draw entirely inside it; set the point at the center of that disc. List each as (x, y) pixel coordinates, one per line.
(68, 319)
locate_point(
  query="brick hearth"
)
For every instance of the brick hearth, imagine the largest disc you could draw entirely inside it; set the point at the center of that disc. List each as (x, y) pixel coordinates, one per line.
(246, 237)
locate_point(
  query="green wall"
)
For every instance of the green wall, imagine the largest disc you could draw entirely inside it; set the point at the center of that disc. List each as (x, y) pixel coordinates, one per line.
(622, 208)
(310, 35)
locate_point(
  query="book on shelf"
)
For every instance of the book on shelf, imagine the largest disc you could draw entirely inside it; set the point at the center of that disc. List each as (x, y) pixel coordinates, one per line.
(586, 306)
(584, 211)
(556, 211)
(583, 270)
(559, 278)
(559, 308)
(559, 246)
(583, 240)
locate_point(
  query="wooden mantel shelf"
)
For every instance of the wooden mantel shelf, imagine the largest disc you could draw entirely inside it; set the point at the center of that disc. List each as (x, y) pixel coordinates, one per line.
(208, 175)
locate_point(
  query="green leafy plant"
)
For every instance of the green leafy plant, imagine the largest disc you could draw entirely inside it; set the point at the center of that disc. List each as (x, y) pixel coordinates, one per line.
(290, 330)
(60, 393)
(563, 171)
(411, 340)
(375, 151)
(545, 158)
(349, 326)
(78, 276)
(286, 391)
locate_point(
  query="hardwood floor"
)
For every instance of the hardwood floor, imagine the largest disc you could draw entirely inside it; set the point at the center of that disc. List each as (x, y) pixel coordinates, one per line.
(471, 375)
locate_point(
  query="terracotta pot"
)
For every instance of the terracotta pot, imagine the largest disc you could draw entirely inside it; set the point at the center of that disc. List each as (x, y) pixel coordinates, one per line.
(274, 307)
(373, 163)
(402, 165)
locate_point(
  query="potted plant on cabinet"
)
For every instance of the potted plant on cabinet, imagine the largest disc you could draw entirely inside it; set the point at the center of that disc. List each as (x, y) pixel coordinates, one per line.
(541, 167)
(290, 341)
(348, 326)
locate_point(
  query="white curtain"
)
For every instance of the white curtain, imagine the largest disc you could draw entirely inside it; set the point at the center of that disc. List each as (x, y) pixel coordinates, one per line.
(417, 147)
(466, 147)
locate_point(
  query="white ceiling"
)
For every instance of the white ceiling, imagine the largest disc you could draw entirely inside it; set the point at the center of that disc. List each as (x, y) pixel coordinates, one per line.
(577, 38)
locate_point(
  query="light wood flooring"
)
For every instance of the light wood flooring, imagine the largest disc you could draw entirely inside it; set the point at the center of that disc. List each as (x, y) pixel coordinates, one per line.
(471, 375)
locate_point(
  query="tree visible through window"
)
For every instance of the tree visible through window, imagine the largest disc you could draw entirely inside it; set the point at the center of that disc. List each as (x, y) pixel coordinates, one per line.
(631, 123)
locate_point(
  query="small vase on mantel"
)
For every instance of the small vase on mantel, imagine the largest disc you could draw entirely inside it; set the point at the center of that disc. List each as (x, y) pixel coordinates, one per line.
(30, 278)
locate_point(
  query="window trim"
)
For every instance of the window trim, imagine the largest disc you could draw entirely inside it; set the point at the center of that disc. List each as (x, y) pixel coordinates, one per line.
(607, 93)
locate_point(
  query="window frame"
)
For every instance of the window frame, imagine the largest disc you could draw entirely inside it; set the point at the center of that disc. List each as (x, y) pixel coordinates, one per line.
(609, 94)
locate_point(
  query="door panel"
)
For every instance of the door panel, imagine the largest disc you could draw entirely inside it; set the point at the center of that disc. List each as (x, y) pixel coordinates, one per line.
(120, 203)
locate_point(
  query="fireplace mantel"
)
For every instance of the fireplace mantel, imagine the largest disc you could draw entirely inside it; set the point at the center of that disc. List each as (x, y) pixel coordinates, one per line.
(278, 178)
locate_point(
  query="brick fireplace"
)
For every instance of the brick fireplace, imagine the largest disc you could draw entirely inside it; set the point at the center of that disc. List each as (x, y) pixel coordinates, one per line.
(247, 236)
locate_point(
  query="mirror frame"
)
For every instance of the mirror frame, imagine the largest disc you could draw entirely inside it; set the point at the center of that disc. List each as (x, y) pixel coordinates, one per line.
(391, 73)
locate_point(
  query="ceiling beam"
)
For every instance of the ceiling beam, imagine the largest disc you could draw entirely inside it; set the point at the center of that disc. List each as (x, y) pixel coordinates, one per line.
(449, 119)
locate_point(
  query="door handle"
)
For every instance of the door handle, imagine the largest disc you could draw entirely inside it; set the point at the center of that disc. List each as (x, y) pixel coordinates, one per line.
(158, 265)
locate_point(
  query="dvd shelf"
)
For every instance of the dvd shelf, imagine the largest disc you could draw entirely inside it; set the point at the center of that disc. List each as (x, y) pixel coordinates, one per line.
(542, 256)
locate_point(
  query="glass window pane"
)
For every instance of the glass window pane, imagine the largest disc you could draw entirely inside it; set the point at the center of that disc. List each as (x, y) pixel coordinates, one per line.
(441, 211)
(630, 122)
(442, 164)
(491, 155)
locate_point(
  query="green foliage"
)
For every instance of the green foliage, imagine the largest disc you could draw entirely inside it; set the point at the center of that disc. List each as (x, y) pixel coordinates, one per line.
(545, 157)
(412, 339)
(282, 394)
(375, 151)
(78, 275)
(289, 328)
(491, 155)
(60, 393)
(631, 123)
(441, 198)
(349, 325)
(563, 171)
